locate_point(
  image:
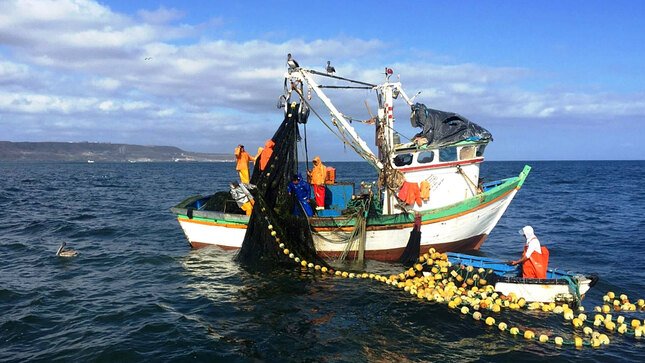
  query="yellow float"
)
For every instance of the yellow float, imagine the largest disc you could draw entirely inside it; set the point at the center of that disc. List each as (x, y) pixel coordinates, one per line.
(445, 285)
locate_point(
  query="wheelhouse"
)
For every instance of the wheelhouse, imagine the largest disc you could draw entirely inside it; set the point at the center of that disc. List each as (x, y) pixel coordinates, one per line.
(451, 171)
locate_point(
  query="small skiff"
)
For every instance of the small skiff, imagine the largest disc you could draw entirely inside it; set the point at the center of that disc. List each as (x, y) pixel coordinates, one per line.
(559, 286)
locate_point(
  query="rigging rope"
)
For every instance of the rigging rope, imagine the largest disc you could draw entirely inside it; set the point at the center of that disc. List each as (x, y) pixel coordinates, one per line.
(344, 87)
(341, 78)
(306, 149)
(339, 133)
(460, 171)
(360, 229)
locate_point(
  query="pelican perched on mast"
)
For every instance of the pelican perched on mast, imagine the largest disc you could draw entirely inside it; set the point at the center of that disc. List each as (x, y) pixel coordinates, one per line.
(292, 62)
(330, 69)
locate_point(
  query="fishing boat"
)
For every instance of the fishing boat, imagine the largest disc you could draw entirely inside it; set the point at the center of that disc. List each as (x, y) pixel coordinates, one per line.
(557, 287)
(373, 220)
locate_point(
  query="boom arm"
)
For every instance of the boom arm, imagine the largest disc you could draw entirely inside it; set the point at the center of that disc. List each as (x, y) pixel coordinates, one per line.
(348, 133)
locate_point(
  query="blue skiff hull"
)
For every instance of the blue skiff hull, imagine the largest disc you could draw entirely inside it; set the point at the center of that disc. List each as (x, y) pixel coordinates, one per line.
(558, 287)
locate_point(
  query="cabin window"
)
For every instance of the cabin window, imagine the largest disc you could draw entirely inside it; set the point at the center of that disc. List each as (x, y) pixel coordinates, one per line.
(448, 154)
(403, 159)
(467, 153)
(425, 157)
(480, 150)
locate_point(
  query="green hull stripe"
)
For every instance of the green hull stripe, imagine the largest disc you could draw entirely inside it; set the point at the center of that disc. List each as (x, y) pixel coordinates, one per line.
(458, 208)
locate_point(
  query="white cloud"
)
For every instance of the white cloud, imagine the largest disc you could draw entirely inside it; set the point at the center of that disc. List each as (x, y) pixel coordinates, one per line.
(109, 84)
(39, 103)
(136, 105)
(166, 112)
(12, 71)
(79, 59)
(160, 15)
(20, 12)
(107, 106)
(107, 37)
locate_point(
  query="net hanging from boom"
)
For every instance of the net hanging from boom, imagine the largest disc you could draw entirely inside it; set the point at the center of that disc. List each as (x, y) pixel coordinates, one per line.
(274, 206)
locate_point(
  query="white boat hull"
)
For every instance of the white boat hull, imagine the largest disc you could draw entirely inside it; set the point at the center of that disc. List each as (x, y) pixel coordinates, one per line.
(547, 292)
(462, 231)
(457, 233)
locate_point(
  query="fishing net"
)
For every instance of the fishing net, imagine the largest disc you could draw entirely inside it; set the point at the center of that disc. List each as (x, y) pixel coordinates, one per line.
(222, 202)
(474, 276)
(274, 206)
(413, 248)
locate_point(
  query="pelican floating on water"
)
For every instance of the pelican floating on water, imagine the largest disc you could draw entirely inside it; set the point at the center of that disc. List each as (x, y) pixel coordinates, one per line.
(62, 252)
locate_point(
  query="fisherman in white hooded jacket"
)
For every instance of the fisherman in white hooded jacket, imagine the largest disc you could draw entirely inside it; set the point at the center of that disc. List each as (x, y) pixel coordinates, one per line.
(535, 258)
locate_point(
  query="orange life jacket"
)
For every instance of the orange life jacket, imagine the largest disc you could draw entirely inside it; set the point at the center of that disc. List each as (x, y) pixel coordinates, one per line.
(243, 159)
(318, 172)
(266, 154)
(424, 186)
(535, 267)
(409, 193)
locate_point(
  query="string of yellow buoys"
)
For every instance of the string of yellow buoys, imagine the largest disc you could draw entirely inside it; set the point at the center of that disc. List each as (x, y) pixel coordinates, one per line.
(433, 278)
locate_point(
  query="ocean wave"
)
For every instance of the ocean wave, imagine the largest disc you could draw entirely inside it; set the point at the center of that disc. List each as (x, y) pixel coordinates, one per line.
(137, 292)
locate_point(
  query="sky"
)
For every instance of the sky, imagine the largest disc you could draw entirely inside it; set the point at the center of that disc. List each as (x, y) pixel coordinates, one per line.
(551, 80)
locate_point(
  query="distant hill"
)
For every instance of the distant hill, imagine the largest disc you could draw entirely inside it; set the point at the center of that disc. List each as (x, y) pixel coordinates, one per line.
(99, 152)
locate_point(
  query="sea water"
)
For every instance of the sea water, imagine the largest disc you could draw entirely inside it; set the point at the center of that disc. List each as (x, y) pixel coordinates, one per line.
(138, 292)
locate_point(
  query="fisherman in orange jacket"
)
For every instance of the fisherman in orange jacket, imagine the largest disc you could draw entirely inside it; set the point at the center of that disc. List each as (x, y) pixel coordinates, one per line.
(317, 174)
(535, 258)
(266, 153)
(243, 158)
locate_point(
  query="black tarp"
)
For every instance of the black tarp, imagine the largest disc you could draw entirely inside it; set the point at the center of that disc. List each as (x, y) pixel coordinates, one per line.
(443, 128)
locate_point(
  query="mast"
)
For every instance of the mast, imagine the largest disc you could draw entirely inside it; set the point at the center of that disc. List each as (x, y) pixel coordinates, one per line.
(389, 177)
(387, 93)
(450, 177)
